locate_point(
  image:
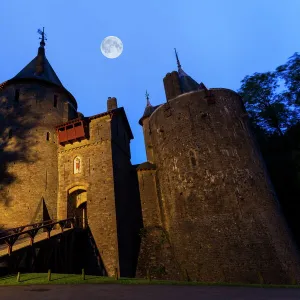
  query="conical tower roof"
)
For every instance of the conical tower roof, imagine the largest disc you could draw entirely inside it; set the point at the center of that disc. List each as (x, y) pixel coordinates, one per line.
(40, 69)
(48, 73)
(148, 110)
(187, 83)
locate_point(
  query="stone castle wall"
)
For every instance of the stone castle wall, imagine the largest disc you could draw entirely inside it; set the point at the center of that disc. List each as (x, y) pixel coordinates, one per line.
(219, 208)
(97, 179)
(29, 157)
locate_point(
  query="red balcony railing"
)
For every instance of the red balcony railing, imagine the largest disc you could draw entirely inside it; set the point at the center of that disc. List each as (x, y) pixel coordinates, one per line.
(69, 133)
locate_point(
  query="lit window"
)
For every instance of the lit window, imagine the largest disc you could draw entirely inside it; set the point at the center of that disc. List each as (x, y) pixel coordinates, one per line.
(77, 165)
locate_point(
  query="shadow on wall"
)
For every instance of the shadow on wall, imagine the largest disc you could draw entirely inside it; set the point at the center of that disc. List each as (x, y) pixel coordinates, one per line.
(93, 262)
(16, 139)
(1, 231)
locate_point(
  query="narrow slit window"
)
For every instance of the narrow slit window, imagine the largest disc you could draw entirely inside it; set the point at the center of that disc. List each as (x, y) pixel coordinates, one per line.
(48, 136)
(193, 158)
(55, 101)
(10, 133)
(17, 96)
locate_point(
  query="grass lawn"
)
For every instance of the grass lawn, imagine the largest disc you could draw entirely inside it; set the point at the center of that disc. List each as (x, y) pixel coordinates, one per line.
(42, 278)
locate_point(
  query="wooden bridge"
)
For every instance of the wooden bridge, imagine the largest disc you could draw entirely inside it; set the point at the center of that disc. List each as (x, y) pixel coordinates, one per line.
(24, 236)
(65, 246)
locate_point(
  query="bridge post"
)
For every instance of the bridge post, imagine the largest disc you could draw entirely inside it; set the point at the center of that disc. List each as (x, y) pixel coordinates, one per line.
(61, 225)
(9, 249)
(73, 222)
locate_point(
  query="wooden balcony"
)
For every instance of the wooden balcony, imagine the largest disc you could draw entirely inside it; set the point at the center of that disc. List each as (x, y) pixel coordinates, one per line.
(71, 132)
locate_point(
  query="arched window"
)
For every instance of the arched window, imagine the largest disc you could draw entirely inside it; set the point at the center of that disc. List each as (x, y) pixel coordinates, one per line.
(77, 165)
(48, 136)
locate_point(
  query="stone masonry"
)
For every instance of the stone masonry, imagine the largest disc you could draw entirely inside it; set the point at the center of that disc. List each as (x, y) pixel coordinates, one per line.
(200, 208)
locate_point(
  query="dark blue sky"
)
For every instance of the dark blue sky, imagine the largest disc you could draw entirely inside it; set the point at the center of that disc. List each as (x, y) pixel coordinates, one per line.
(218, 42)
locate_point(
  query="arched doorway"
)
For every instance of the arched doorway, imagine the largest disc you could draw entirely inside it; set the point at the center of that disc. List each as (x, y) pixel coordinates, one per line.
(77, 206)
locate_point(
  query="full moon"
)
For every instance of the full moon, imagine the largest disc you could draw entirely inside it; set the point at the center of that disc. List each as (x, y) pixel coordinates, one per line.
(111, 47)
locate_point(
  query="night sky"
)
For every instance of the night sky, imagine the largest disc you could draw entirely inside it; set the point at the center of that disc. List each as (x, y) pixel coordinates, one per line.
(218, 42)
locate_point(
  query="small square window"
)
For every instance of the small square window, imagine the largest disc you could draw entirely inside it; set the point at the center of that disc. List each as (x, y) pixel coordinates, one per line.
(17, 95)
(55, 101)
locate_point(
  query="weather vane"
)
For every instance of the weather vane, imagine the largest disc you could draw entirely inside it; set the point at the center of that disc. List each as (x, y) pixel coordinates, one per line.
(147, 97)
(42, 33)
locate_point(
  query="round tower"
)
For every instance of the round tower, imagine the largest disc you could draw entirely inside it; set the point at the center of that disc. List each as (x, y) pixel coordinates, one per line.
(219, 207)
(31, 104)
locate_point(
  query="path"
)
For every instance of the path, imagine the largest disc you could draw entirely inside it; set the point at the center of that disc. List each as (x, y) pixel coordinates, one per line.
(144, 292)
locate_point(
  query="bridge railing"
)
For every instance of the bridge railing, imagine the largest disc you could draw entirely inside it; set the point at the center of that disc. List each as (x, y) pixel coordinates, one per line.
(10, 239)
(19, 229)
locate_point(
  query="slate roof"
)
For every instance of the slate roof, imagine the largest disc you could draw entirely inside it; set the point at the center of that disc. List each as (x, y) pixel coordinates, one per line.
(148, 112)
(29, 71)
(187, 83)
(47, 75)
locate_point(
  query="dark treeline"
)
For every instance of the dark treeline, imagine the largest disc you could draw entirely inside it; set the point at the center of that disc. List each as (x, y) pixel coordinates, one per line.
(272, 100)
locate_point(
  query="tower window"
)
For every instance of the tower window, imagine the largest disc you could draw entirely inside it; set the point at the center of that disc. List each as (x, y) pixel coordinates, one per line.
(48, 136)
(17, 96)
(55, 101)
(10, 133)
(192, 156)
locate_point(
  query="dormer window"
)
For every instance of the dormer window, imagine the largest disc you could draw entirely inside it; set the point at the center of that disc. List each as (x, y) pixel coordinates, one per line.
(17, 96)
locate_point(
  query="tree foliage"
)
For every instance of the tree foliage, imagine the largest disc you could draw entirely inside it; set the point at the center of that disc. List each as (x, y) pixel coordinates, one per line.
(290, 74)
(268, 108)
(272, 100)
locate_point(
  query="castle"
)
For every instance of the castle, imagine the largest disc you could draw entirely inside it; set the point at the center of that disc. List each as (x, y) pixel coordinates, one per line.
(201, 206)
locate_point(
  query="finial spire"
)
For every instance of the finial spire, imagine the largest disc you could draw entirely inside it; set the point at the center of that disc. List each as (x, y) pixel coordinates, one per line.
(147, 97)
(43, 38)
(40, 63)
(178, 62)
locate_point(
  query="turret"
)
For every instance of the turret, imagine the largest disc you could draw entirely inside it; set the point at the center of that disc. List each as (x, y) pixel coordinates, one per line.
(38, 102)
(178, 82)
(144, 121)
(214, 198)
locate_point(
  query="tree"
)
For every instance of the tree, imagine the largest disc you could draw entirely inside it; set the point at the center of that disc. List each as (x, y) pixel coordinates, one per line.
(272, 100)
(290, 74)
(267, 109)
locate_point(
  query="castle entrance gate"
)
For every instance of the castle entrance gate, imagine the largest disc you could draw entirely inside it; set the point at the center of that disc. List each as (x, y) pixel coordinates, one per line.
(77, 206)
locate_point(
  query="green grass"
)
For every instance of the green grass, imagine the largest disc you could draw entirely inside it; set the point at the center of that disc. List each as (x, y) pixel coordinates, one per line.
(42, 278)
